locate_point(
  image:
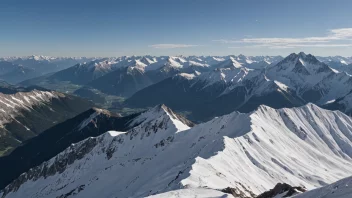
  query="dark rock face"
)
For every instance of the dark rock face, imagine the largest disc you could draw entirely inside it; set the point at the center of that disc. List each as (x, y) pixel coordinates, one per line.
(274, 99)
(237, 192)
(312, 95)
(60, 164)
(177, 116)
(282, 188)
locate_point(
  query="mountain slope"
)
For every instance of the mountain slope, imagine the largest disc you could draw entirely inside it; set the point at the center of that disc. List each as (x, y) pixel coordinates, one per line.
(83, 73)
(216, 93)
(26, 113)
(74, 76)
(305, 146)
(122, 82)
(14, 73)
(194, 192)
(54, 140)
(339, 189)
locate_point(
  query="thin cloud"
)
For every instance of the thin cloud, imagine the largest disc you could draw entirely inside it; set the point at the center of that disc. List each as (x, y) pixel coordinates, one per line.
(342, 33)
(333, 36)
(323, 45)
(171, 46)
(291, 46)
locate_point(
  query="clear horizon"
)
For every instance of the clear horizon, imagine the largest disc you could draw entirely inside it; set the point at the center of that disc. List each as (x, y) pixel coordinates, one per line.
(162, 28)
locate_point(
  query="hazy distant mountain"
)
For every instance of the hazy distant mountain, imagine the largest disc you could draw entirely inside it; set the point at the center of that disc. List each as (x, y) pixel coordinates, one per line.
(83, 73)
(18, 74)
(14, 73)
(163, 155)
(74, 77)
(293, 81)
(24, 68)
(6, 67)
(47, 64)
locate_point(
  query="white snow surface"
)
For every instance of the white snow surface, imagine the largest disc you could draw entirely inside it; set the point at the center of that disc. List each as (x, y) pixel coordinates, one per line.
(192, 193)
(339, 189)
(305, 146)
(12, 104)
(187, 76)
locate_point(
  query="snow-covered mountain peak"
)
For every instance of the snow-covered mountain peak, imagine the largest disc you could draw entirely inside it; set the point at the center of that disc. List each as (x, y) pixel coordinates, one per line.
(95, 65)
(162, 115)
(299, 70)
(96, 113)
(136, 65)
(147, 60)
(294, 57)
(231, 62)
(304, 146)
(173, 62)
(35, 57)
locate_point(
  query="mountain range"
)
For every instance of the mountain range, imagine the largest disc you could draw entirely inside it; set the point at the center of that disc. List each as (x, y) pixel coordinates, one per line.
(209, 85)
(123, 76)
(54, 140)
(294, 81)
(163, 152)
(267, 126)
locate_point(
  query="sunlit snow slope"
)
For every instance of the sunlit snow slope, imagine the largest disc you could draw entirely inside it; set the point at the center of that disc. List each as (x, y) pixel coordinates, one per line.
(339, 189)
(305, 146)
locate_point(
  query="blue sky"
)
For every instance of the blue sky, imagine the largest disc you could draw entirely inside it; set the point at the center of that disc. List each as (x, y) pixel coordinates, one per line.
(170, 27)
